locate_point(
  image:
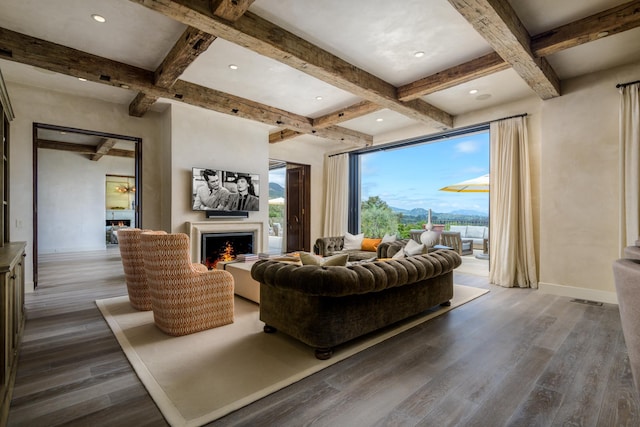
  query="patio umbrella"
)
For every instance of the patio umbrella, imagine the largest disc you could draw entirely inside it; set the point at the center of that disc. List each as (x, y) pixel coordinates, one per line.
(475, 185)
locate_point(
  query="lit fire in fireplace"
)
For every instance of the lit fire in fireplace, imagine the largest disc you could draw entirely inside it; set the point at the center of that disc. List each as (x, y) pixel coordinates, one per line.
(228, 254)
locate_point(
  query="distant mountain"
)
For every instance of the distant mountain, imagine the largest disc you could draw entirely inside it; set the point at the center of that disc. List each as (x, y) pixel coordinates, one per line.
(420, 212)
(468, 212)
(275, 190)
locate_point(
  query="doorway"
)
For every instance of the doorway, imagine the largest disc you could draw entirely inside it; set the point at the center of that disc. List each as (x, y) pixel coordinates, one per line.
(70, 168)
(289, 207)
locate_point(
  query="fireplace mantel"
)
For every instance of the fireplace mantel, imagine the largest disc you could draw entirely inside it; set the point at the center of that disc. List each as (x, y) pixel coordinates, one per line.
(196, 229)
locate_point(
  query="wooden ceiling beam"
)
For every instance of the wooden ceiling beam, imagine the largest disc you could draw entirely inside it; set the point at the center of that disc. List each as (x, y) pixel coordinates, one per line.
(64, 60)
(82, 148)
(342, 115)
(261, 36)
(186, 50)
(612, 21)
(103, 148)
(476, 68)
(497, 22)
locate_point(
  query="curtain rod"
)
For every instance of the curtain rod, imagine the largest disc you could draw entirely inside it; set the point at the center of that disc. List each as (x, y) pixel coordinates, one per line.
(441, 135)
(619, 85)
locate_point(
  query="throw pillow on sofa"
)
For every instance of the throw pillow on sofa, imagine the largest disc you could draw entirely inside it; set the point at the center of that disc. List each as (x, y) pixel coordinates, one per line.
(353, 242)
(388, 238)
(413, 248)
(370, 245)
(333, 260)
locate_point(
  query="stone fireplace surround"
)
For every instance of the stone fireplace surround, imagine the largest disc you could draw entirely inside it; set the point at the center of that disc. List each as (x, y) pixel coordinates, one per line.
(195, 230)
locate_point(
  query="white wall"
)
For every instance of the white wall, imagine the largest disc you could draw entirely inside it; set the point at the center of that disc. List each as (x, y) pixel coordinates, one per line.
(71, 199)
(579, 202)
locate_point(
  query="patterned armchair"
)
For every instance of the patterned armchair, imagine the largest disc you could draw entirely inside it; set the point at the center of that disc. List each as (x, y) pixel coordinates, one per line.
(133, 265)
(185, 297)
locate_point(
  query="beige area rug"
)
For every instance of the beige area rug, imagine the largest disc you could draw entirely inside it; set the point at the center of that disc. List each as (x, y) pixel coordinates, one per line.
(198, 378)
(472, 265)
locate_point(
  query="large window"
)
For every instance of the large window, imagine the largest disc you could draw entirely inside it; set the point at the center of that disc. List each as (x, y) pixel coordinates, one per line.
(396, 185)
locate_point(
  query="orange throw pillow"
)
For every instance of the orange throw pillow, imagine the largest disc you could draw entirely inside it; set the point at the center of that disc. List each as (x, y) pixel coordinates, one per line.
(370, 245)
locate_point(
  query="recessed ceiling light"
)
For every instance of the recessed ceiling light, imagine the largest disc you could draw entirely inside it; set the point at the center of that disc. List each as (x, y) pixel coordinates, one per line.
(379, 119)
(233, 66)
(473, 91)
(419, 54)
(98, 18)
(82, 79)
(318, 98)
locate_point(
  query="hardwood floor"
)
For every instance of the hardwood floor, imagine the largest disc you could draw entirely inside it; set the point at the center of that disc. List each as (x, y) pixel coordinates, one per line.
(514, 357)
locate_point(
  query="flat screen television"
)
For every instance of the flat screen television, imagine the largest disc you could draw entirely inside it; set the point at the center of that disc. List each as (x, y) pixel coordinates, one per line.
(224, 191)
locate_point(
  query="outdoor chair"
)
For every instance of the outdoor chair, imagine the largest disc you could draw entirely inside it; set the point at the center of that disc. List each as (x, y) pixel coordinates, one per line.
(453, 240)
(186, 297)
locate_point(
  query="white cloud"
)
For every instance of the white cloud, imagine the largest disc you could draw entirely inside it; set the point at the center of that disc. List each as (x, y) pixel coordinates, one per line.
(467, 147)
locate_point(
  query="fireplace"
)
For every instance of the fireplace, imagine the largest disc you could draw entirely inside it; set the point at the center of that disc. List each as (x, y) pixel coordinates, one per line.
(196, 231)
(224, 247)
(119, 223)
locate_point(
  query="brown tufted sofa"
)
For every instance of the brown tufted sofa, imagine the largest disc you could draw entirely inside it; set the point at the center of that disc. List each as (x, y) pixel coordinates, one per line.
(327, 306)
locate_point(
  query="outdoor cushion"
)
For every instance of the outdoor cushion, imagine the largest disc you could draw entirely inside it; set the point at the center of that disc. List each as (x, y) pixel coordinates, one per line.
(475, 232)
(462, 229)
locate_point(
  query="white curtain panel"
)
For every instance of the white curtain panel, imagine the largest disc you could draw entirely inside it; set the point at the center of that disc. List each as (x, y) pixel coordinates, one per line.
(629, 165)
(336, 197)
(512, 260)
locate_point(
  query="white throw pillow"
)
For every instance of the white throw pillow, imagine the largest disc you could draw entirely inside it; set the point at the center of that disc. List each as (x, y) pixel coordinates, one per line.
(399, 254)
(388, 238)
(413, 248)
(353, 242)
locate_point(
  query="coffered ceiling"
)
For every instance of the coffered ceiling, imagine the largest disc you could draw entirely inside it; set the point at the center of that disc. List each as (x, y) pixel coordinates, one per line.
(345, 71)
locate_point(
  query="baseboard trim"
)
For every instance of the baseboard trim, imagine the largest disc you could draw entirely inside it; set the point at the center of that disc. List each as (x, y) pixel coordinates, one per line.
(579, 293)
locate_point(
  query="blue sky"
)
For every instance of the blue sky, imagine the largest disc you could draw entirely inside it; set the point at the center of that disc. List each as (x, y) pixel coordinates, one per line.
(411, 177)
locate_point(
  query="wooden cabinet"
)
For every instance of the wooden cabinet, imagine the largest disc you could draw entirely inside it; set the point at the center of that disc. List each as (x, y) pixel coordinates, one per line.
(11, 318)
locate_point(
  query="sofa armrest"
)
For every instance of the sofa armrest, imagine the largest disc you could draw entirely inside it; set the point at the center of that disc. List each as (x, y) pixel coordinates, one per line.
(327, 245)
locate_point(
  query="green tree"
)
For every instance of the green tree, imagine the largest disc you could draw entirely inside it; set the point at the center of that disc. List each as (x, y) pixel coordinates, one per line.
(377, 218)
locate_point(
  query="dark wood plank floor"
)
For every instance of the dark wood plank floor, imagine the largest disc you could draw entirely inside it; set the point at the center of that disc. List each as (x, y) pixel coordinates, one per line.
(515, 357)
